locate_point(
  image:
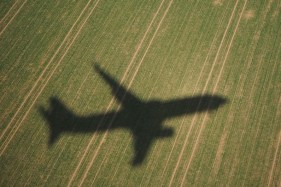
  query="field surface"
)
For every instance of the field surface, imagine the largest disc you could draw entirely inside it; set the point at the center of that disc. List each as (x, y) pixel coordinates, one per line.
(140, 93)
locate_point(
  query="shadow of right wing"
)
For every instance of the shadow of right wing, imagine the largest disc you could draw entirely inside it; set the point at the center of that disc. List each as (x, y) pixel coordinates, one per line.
(142, 144)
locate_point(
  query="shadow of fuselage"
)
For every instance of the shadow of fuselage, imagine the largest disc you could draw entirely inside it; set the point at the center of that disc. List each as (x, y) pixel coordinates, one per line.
(144, 119)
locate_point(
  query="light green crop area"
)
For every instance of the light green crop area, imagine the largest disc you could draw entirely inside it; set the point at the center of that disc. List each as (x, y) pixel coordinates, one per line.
(158, 50)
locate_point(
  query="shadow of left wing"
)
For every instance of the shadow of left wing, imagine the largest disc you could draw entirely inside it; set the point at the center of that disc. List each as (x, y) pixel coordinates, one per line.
(118, 91)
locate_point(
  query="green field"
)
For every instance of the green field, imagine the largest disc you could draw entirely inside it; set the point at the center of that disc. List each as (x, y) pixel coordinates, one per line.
(158, 50)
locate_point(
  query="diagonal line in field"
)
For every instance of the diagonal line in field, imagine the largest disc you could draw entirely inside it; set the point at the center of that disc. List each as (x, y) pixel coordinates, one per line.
(238, 145)
(9, 51)
(241, 82)
(8, 11)
(63, 148)
(149, 96)
(150, 42)
(15, 64)
(35, 137)
(275, 156)
(25, 48)
(150, 93)
(127, 145)
(43, 72)
(49, 77)
(263, 21)
(112, 101)
(221, 143)
(262, 111)
(124, 150)
(118, 164)
(12, 18)
(129, 85)
(260, 116)
(181, 82)
(224, 135)
(67, 140)
(2, 97)
(196, 85)
(86, 150)
(213, 91)
(135, 73)
(205, 87)
(200, 74)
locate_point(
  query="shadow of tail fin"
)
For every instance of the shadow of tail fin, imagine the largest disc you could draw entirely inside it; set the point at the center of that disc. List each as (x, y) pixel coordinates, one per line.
(53, 132)
(58, 118)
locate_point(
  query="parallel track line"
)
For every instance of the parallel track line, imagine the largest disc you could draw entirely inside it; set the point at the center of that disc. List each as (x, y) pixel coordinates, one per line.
(49, 77)
(205, 87)
(275, 158)
(1, 20)
(86, 150)
(43, 72)
(261, 115)
(212, 46)
(241, 83)
(213, 91)
(129, 85)
(2, 31)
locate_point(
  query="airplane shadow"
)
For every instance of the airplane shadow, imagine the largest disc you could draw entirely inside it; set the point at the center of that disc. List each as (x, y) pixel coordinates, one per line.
(144, 119)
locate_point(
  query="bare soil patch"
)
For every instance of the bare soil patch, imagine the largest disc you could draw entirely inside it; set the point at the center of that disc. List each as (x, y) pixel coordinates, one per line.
(249, 14)
(217, 2)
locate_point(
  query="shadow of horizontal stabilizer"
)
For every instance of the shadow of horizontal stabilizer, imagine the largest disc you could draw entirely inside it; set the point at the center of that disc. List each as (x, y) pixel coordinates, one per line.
(144, 119)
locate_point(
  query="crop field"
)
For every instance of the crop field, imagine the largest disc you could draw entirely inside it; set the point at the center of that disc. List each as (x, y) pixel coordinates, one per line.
(140, 93)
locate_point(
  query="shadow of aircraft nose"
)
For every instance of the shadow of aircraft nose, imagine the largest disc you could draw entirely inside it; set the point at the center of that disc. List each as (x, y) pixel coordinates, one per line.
(216, 102)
